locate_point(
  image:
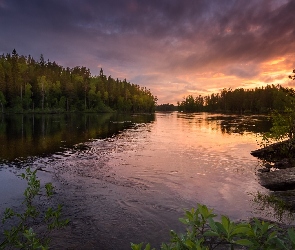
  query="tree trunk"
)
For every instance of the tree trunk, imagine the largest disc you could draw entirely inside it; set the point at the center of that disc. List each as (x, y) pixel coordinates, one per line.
(42, 95)
(85, 101)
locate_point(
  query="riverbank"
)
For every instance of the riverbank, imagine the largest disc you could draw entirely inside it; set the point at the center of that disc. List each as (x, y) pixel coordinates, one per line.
(278, 174)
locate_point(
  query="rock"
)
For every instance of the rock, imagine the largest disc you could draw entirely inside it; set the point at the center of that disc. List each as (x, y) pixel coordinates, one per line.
(262, 152)
(285, 163)
(279, 180)
(264, 170)
(278, 174)
(275, 152)
(268, 166)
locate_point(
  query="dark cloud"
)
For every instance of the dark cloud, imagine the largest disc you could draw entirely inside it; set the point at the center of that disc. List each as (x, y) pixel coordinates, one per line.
(243, 71)
(246, 33)
(146, 38)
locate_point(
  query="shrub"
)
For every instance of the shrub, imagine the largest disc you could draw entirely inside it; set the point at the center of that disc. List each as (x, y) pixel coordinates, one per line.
(22, 235)
(203, 232)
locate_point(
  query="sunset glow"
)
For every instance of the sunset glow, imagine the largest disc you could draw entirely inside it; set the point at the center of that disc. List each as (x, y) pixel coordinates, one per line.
(175, 48)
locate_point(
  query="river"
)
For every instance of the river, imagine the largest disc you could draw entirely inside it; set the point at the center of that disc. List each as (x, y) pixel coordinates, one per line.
(128, 178)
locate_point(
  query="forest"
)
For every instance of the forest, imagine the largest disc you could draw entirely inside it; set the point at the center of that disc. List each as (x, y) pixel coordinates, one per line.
(27, 85)
(258, 100)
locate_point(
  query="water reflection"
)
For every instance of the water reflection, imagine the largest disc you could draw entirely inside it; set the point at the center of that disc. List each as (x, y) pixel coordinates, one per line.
(194, 157)
(142, 178)
(32, 135)
(229, 123)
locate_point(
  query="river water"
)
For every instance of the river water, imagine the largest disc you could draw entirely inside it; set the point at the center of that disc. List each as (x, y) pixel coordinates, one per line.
(127, 179)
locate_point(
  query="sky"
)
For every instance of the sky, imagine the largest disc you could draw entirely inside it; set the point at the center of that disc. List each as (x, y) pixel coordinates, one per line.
(175, 48)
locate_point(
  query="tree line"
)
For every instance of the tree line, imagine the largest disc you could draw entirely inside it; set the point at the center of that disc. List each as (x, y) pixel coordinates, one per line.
(30, 85)
(166, 107)
(258, 100)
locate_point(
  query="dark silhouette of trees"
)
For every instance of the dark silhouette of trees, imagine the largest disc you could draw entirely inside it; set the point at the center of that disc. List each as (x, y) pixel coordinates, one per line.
(292, 76)
(29, 85)
(258, 100)
(166, 107)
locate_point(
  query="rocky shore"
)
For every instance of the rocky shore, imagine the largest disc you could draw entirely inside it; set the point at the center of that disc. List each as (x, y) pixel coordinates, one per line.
(278, 174)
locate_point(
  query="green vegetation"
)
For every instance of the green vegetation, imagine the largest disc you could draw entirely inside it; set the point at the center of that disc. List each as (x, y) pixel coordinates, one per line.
(292, 77)
(258, 100)
(28, 85)
(283, 126)
(283, 132)
(273, 207)
(203, 232)
(22, 235)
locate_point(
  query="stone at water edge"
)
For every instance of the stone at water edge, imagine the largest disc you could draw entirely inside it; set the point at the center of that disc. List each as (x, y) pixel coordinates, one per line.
(279, 180)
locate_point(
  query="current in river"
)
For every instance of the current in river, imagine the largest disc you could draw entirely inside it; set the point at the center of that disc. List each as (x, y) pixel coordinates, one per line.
(128, 178)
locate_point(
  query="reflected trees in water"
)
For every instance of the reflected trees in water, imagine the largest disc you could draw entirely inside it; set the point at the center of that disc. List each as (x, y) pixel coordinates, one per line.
(31, 135)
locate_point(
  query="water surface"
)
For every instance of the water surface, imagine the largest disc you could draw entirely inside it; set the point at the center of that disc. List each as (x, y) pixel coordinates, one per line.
(128, 178)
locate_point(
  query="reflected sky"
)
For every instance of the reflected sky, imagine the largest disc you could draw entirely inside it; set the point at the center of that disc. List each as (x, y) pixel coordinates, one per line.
(196, 159)
(146, 174)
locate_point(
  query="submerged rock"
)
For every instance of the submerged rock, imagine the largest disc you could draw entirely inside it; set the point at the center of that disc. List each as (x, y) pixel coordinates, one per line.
(278, 180)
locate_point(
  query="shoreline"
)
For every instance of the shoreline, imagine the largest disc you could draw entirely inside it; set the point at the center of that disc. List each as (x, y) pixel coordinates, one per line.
(278, 174)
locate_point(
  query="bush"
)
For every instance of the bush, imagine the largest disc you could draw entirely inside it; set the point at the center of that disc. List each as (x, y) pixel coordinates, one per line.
(203, 232)
(22, 235)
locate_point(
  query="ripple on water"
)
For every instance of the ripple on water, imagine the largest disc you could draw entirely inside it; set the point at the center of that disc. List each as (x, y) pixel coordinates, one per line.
(141, 179)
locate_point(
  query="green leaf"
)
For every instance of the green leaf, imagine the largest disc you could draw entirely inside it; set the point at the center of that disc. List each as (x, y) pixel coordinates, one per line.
(225, 223)
(220, 228)
(184, 221)
(136, 246)
(210, 233)
(243, 229)
(291, 234)
(272, 235)
(212, 224)
(189, 243)
(265, 227)
(49, 189)
(279, 243)
(189, 215)
(244, 242)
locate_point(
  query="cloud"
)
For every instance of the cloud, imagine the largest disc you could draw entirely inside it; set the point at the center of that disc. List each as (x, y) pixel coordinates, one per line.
(155, 43)
(243, 71)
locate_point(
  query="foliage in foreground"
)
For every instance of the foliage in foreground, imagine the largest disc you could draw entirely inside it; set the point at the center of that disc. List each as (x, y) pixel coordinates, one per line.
(203, 232)
(22, 235)
(273, 206)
